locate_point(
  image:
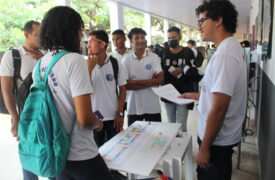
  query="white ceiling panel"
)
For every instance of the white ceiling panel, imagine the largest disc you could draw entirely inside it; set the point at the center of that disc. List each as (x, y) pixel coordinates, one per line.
(183, 11)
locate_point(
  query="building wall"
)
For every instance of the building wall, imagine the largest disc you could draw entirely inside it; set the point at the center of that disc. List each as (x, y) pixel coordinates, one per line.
(265, 107)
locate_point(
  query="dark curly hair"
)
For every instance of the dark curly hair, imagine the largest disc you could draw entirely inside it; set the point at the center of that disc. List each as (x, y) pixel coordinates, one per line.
(60, 29)
(225, 9)
(136, 31)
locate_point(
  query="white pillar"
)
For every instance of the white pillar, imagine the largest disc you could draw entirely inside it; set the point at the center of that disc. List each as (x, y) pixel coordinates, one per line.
(116, 16)
(165, 29)
(195, 35)
(63, 2)
(187, 33)
(148, 27)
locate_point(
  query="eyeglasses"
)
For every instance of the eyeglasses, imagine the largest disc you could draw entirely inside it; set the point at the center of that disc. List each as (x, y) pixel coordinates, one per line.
(201, 21)
(98, 40)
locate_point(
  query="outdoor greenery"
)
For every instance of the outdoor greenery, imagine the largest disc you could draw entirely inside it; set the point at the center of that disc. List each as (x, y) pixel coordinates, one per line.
(132, 19)
(95, 14)
(15, 13)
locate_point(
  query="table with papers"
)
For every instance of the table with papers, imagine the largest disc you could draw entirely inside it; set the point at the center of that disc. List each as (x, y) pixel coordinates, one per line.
(141, 147)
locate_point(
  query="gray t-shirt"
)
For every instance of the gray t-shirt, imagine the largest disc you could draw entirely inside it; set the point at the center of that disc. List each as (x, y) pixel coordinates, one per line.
(70, 78)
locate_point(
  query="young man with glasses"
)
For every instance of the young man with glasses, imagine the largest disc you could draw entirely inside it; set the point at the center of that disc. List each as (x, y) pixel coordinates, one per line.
(222, 101)
(106, 100)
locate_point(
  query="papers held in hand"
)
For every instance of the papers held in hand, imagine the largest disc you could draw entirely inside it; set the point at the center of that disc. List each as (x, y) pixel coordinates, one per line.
(170, 93)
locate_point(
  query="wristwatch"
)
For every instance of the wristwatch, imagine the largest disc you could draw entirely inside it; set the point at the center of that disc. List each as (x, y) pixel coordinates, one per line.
(121, 114)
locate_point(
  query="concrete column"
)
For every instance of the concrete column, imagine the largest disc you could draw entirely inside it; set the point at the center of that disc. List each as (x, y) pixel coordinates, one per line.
(116, 16)
(188, 33)
(63, 2)
(165, 29)
(148, 28)
(195, 35)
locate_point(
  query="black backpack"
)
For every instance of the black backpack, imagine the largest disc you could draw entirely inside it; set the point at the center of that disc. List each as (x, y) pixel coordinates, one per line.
(115, 69)
(22, 91)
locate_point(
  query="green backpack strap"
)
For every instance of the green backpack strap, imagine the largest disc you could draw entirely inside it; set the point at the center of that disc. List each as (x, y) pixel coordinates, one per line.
(37, 76)
(52, 63)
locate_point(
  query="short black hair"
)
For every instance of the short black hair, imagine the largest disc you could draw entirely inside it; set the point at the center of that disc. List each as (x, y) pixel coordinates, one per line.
(191, 42)
(224, 9)
(246, 43)
(60, 29)
(174, 29)
(118, 32)
(28, 26)
(136, 31)
(101, 35)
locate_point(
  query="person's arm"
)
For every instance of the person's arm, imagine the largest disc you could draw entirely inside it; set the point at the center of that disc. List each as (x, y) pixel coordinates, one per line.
(118, 121)
(134, 87)
(7, 85)
(155, 81)
(195, 95)
(84, 115)
(176, 72)
(213, 124)
(92, 61)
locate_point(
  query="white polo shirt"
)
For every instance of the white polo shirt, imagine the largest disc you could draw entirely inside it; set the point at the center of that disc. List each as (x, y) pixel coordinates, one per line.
(70, 78)
(143, 101)
(225, 73)
(104, 98)
(119, 56)
(27, 63)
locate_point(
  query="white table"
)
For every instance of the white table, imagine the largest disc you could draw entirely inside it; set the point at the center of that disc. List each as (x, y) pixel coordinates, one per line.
(179, 151)
(143, 147)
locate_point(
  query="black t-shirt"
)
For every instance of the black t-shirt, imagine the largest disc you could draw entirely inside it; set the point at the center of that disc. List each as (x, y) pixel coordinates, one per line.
(180, 59)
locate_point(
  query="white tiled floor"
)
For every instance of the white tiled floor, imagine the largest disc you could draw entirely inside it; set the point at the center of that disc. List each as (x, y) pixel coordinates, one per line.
(10, 168)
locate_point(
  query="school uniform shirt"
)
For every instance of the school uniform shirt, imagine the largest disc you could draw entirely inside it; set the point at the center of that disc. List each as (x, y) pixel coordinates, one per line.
(27, 63)
(119, 56)
(225, 73)
(105, 98)
(70, 78)
(143, 101)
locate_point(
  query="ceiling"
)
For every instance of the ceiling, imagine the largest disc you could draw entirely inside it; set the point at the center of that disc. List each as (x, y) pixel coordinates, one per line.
(183, 11)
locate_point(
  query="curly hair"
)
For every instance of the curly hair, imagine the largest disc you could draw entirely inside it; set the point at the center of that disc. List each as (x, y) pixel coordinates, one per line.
(136, 31)
(60, 29)
(224, 9)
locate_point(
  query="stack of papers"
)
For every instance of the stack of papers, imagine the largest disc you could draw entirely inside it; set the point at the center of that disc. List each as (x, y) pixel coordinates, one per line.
(170, 93)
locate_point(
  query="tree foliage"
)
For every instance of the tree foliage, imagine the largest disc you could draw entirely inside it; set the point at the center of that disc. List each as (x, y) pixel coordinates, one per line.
(94, 13)
(132, 19)
(14, 14)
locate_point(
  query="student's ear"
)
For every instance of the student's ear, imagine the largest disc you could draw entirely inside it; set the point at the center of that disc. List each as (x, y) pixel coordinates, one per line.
(26, 35)
(102, 44)
(219, 21)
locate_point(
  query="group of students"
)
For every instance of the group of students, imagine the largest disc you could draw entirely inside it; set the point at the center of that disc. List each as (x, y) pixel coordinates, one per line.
(94, 91)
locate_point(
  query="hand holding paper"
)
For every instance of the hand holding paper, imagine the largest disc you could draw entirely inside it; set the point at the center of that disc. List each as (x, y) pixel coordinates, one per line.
(171, 94)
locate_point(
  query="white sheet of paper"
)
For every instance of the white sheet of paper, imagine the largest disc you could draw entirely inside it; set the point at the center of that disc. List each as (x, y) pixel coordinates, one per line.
(170, 93)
